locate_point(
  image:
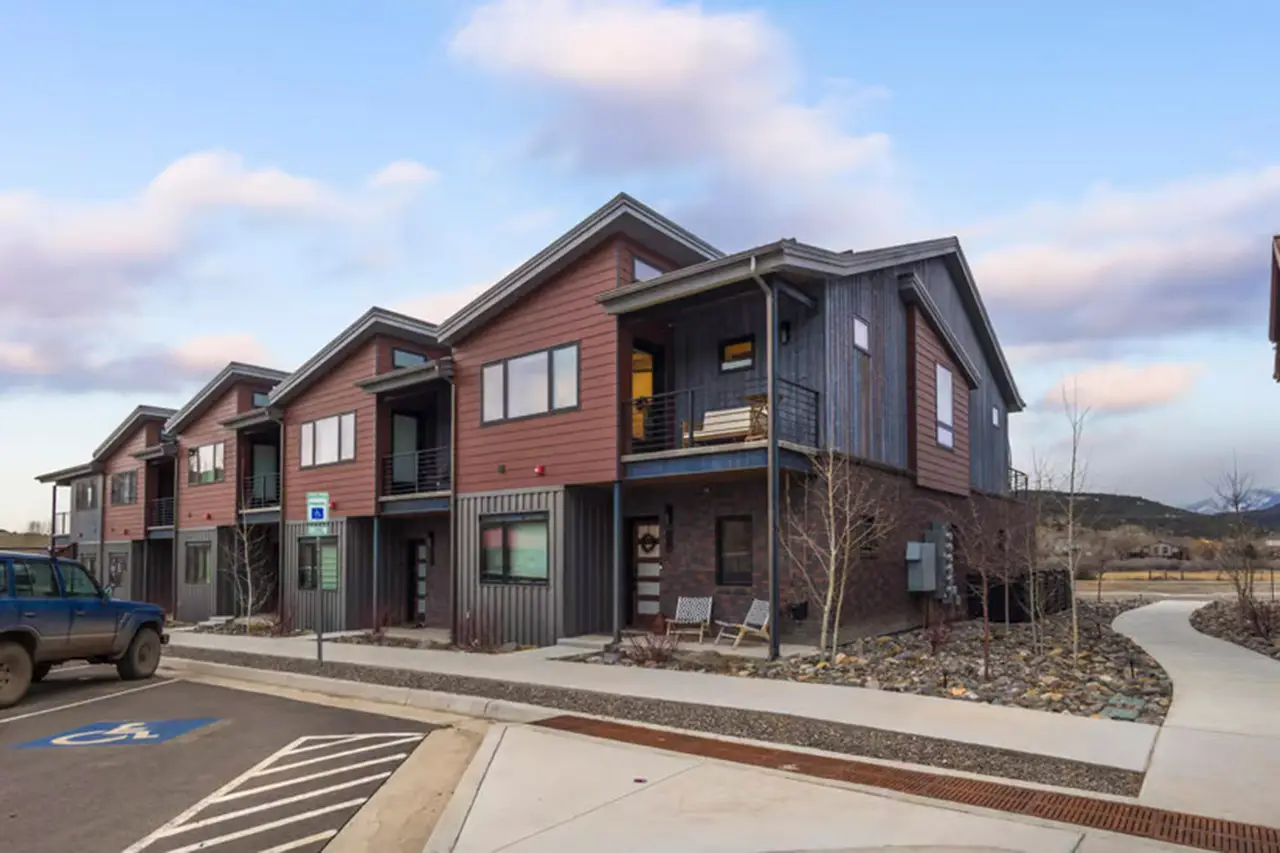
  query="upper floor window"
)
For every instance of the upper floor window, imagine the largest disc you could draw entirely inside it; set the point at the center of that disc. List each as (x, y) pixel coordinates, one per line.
(946, 408)
(405, 358)
(328, 440)
(124, 488)
(861, 335)
(641, 271)
(84, 495)
(738, 354)
(260, 399)
(995, 416)
(531, 384)
(204, 464)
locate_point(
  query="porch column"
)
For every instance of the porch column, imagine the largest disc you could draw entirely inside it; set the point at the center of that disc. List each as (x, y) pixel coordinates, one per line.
(618, 592)
(53, 523)
(771, 362)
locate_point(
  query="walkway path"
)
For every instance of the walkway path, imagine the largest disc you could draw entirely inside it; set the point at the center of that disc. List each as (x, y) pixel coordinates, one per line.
(1219, 750)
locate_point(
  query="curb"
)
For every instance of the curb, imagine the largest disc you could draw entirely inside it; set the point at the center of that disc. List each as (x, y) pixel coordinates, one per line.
(451, 821)
(499, 710)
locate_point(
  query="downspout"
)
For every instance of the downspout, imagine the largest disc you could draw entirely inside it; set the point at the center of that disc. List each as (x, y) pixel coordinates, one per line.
(173, 548)
(771, 416)
(377, 512)
(282, 524)
(453, 504)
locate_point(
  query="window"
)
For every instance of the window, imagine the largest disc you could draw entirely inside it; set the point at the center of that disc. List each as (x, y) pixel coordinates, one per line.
(84, 495)
(124, 488)
(328, 440)
(738, 354)
(34, 579)
(76, 582)
(868, 536)
(532, 384)
(117, 565)
(90, 562)
(946, 409)
(861, 335)
(405, 358)
(196, 570)
(995, 416)
(513, 549)
(642, 271)
(260, 399)
(318, 564)
(733, 551)
(204, 464)
(308, 565)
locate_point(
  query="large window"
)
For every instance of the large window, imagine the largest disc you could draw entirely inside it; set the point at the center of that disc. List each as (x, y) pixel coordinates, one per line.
(513, 549)
(328, 440)
(204, 464)
(532, 384)
(738, 354)
(733, 551)
(318, 564)
(946, 408)
(406, 358)
(197, 568)
(84, 495)
(124, 488)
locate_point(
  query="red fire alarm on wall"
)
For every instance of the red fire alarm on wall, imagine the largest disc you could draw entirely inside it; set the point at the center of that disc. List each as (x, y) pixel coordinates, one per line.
(333, 504)
(539, 470)
(208, 516)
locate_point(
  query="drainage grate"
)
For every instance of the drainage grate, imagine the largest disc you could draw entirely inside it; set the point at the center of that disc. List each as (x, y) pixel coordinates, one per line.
(1126, 818)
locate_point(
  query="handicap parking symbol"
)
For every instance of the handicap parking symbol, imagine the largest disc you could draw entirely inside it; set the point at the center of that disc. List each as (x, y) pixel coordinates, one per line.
(119, 733)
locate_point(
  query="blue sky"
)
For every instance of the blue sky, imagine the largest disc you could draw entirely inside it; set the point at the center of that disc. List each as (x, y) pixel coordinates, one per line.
(182, 186)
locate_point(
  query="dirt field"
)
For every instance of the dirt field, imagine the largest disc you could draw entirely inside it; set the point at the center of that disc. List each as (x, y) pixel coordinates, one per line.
(1207, 584)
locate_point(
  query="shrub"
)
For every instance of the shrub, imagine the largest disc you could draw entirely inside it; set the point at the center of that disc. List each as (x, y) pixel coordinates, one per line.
(651, 648)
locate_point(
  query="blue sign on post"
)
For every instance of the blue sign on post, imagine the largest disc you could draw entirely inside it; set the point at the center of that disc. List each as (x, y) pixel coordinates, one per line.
(317, 513)
(123, 733)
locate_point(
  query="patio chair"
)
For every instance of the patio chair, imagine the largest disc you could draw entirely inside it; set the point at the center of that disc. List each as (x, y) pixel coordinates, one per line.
(755, 624)
(693, 616)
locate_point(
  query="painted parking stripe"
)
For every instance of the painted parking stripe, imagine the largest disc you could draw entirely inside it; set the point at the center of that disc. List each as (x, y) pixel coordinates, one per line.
(88, 701)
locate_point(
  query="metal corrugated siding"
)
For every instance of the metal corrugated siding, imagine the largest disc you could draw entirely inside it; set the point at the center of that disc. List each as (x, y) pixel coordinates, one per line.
(988, 444)
(300, 606)
(357, 574)
(587, 590)
(196, 601)
(127, 588)
(501, 613)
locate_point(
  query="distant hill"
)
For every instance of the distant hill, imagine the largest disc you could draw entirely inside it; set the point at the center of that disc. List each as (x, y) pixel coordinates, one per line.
(1104, 512)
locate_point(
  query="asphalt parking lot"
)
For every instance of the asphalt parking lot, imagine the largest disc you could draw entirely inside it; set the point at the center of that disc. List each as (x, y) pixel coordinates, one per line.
(93, 764)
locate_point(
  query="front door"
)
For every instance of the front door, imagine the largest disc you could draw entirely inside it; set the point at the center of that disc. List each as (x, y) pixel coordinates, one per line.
(645, 569)
(405, 432)
(420, 560)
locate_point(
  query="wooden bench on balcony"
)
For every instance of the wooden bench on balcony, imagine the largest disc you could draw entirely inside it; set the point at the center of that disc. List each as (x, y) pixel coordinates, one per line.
(744, 423)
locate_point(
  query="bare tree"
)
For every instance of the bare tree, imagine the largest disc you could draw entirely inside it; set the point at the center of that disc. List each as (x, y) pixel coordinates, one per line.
(1034, 552)
(835, 520)
(1238, 555)
(38, 527)
(1073, 485)
(1114, 546)
(248, 570)
(982, 552)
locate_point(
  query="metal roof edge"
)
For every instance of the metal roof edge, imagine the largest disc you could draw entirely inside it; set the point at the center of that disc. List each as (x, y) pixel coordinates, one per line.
(138, 415)
(913, 290)
(234, 371)
(74, 472)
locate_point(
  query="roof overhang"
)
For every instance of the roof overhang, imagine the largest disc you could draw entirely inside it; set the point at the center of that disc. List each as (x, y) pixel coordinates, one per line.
(404, 378)
(621, 216)
(913, 292)
(163, 450)
(375, 321)
(65, 476)
(227, 378)
(139, 416)
(1275, 303)
(253, 418)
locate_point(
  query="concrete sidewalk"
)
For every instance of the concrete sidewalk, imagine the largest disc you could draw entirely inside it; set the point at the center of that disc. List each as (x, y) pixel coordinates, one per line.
(1219, 750)
(531, 790)
(1107, 743)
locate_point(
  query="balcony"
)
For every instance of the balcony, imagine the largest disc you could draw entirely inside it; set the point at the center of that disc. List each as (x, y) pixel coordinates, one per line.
(160, 512)
(721, 417)
(260, 491)
(416, 472)
(62, 524)
(1018, 483)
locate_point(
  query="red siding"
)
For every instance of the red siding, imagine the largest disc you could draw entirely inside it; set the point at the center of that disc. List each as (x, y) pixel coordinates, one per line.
(628, 251)
(126, 522)
(575, 447)
(937, 467)
(217, 500)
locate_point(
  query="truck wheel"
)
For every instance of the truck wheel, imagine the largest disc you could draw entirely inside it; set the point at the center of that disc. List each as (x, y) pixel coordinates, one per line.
(40, 671)
(143, 656)
(15, 673)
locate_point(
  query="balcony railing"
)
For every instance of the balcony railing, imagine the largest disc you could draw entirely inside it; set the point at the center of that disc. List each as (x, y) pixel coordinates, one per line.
(1018, 483)
(160, 512)
(61, 523)
(719, 416)
(416, 472)
(259, 491)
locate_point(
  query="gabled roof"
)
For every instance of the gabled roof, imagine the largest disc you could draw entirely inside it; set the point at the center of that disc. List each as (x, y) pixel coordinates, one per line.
(136, 418)
(208, 395)
(375, 321)
(64, 476)
(790, 256)
(621, 215)
(1275, 302)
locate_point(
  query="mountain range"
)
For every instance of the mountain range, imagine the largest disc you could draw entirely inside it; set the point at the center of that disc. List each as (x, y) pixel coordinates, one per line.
(1259, 499)
(1106, 511)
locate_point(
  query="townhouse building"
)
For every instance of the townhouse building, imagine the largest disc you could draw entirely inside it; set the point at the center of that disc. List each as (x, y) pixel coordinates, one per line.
(615, 424)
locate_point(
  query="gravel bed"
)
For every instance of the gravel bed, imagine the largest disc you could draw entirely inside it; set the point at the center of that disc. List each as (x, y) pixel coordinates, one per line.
(371, 638)
(755, 725)
(1113, 678)
(1221, 619)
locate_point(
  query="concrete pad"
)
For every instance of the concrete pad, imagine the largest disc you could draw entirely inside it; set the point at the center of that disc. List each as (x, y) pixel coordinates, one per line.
(555, 792)
(1108, 842)
(1211, 773)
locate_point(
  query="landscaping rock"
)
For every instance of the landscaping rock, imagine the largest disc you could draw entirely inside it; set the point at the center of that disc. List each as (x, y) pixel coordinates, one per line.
(1222, 619)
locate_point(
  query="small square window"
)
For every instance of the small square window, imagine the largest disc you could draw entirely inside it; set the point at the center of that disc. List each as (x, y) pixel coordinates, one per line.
(861, 335)
(738, 354)
(642, 271)
(260, 399)
(995, 416)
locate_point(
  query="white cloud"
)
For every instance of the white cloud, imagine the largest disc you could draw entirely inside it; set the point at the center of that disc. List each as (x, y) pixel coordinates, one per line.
(439, 306)
(212, 352)
(1118, 387)
(402, 174)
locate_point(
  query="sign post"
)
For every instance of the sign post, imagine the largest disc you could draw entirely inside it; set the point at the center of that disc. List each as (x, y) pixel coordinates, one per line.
(318, 526)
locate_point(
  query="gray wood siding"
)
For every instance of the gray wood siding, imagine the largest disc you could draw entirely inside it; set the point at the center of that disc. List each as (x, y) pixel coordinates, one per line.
(197, 602)
(85, 526)
(588, 562)
(301, 606)
(502, 613)
(867, 409)
(988, 444)
(357, 576)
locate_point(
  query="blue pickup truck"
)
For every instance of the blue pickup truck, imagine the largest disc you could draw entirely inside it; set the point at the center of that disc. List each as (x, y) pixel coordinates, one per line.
(52, 611)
